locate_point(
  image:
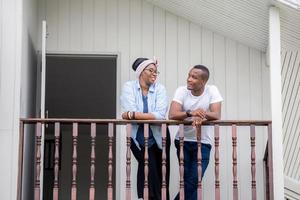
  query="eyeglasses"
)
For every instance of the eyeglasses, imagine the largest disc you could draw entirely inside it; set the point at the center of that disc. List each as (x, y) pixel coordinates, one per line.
(153, 71)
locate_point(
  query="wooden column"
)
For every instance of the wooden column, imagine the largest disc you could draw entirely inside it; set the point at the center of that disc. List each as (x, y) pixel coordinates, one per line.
(164, 163)
(276, 103)
(270, 163)
(110, 160)
(74, 162)
(38, 136)
(181, 162)
(253, 157)
(199, 164)
(234, 163)
(93, 162)
(146, 162)
(56, 160)
(217, 163)
(128, 162)
(20, 162)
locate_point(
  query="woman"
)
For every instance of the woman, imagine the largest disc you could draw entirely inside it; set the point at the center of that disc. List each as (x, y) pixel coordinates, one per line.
(145, 99)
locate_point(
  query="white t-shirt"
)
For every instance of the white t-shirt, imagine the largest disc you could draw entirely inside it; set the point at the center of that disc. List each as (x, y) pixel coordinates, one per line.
(188, 101)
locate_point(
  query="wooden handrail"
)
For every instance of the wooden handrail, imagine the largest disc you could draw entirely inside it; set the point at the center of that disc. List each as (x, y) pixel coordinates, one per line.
(168, 122)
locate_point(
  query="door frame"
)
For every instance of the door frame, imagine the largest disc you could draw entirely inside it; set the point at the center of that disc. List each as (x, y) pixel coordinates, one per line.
(120, 138)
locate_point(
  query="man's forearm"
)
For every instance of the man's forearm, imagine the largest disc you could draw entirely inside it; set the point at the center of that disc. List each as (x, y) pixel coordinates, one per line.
(212, 116)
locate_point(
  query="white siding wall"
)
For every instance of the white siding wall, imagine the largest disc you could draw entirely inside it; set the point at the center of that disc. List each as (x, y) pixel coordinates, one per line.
(291, 115)
(28, 88)
(10, 66)
(135, 28)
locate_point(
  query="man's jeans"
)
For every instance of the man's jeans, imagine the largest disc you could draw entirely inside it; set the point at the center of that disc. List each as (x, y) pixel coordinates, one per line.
(190, 167)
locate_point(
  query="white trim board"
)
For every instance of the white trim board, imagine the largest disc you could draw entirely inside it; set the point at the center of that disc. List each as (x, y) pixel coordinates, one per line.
(291, 188)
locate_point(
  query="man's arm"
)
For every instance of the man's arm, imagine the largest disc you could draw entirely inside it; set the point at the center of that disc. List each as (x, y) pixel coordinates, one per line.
(176, 112)
(215, 111)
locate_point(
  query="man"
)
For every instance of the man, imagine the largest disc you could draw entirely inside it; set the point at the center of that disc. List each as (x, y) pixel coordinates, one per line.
(197, 102)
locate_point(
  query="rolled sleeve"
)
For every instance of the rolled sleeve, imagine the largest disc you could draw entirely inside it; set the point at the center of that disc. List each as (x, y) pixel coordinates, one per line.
(161, 106)
(128, 98)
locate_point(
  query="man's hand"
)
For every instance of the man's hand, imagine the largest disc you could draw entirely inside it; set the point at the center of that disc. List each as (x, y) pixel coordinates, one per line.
(197, 121)
(199, 113)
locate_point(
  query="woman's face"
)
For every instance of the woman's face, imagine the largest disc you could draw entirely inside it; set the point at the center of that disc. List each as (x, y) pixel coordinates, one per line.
(149, 75)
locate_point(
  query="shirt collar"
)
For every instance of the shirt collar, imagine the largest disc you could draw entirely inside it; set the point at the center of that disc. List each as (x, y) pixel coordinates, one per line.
(151, 89)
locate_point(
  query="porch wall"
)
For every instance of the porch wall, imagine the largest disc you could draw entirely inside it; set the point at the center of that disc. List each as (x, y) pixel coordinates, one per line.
(10, 67)
(28, 88)
(291, 119)
(136, 28)
(18, 40)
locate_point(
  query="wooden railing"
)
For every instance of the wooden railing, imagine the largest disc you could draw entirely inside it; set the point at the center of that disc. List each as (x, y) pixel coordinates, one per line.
(163, 123)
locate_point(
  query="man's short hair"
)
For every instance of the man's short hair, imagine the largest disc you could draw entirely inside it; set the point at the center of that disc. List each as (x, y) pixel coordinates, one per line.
(205, 75)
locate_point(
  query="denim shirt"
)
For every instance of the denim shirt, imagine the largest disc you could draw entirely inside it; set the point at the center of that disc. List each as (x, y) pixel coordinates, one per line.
(132, 100)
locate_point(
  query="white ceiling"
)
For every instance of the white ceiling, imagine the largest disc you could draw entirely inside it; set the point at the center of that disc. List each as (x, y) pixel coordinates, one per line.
(243, 20)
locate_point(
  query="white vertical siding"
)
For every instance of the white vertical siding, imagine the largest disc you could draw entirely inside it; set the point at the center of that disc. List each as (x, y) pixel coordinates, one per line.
(28, 88)
(136, 28)
(10, 70)
(291, 113)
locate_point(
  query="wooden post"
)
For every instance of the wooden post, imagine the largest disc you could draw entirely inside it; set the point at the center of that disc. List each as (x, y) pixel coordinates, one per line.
(253, 157)
(128, 162)
(199, 163)
(164, 163)
(38, 137)
(110, 161)
(56, 160)
(234, 163)
(74, 162)
(146, 161)
(276, 103)
(181, 162)
(217, 163)
(93, 162)
(20, 162)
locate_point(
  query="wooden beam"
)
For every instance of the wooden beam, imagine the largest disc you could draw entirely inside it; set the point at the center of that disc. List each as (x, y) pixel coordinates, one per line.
(275, 78)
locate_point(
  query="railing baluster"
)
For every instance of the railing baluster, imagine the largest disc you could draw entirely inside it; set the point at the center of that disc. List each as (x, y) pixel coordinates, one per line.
(199, 164)
(146, 162)
(93, 161)
(74, 162)
(110, 160)
(253, 157)
(56, 160)
(38, 136)
(217, 162)
(181, 162)
(128, 162)
(234, 163)
(164, 163)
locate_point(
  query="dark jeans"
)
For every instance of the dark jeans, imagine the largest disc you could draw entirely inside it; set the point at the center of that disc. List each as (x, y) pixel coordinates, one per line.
(155, 170)
(190, 166)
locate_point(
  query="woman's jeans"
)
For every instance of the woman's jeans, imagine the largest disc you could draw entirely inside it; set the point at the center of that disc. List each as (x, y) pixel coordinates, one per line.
(190, 167)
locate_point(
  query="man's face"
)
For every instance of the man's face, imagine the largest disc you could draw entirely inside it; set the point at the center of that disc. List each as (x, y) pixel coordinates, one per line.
(194, 80)
(149, 75)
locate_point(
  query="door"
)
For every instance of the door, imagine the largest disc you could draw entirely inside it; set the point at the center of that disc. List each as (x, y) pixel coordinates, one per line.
(79, 86)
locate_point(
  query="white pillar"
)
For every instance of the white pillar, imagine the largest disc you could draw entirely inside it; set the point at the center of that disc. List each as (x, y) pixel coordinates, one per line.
(276, 104)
